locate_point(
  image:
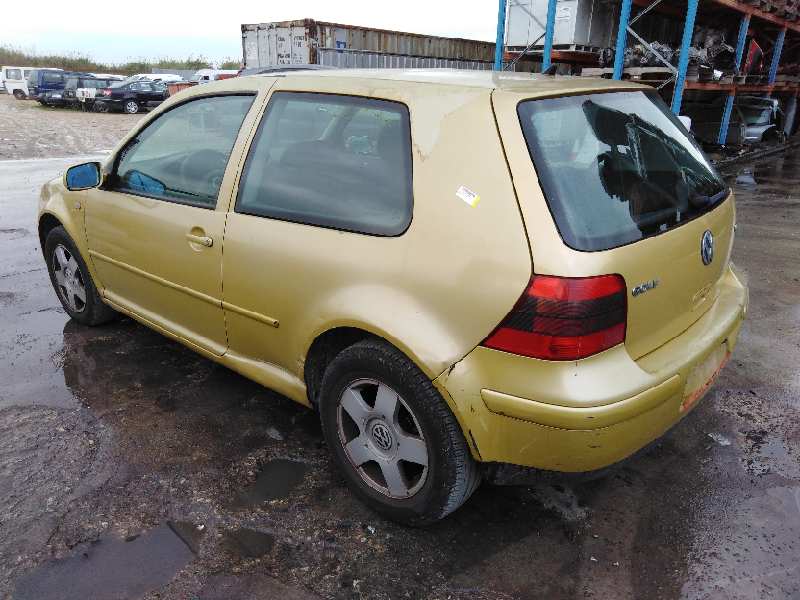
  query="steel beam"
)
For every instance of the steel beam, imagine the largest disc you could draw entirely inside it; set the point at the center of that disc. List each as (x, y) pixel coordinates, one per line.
(722, 137)
(744, 24)
(622, 37)
(776, 56)
(743, 27)
(683, 62)
(791, 115)
(501, 36)
(549, 32)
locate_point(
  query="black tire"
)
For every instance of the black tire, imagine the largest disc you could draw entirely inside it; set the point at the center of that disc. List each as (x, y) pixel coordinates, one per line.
(774, 136)
(131, 107)
(19, 95)
(91, 312)
(452, 475)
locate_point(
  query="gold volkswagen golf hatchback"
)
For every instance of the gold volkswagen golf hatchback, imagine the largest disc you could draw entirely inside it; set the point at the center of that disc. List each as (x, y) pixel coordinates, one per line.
(464, 273)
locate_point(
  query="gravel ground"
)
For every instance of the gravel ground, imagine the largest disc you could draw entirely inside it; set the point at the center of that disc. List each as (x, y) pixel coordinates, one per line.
(132, 468)
(30, 130)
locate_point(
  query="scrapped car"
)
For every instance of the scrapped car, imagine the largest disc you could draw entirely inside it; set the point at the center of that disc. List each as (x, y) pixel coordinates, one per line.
(41, 81)
(131, 95)
(74, 83)
(82, 90)
(465, 273)
(763, 118)
(707, 121)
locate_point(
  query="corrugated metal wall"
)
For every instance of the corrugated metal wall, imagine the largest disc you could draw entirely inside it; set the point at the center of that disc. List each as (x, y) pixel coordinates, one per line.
(361, 59)
(309, 41)
(333, 35)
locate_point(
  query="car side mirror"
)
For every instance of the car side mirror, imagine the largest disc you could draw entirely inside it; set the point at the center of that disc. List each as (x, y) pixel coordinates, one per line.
(83, 177)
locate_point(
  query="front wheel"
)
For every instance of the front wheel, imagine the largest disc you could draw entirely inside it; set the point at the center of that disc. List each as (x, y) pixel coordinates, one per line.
(393, 437)
(131, 107)
(19, 95)
(72, 282)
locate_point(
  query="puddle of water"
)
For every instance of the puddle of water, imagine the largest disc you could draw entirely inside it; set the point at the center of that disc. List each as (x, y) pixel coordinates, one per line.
(276, 479)
(189, 533)
(109, 569)
(247, 543)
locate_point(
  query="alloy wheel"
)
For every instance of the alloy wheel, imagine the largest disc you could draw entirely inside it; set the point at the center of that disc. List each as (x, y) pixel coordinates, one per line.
(382, 438)
(69, 279)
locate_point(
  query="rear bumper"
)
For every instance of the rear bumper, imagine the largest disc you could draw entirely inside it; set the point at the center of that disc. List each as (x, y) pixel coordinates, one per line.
(588, 414)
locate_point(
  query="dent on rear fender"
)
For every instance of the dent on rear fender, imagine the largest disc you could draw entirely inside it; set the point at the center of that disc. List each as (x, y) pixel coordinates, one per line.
(390, 313)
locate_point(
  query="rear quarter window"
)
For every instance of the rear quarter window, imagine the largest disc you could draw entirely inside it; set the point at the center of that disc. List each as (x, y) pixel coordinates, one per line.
(333, 161)
(616, 167)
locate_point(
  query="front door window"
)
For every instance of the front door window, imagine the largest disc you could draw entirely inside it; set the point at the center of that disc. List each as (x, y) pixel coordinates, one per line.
(181, 157)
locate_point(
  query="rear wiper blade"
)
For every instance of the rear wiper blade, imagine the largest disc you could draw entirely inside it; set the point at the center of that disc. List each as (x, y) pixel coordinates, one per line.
(703, 200)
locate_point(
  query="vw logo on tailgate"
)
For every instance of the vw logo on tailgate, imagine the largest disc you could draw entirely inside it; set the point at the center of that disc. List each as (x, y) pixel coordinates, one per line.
(707, 247)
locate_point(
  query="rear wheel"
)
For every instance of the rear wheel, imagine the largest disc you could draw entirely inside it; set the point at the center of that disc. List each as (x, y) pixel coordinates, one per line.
(72, 282)
(393, 437)
(19, 95)
(131, 107)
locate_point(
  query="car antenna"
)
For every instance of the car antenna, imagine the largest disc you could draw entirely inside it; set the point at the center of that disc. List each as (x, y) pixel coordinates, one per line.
(551, 70)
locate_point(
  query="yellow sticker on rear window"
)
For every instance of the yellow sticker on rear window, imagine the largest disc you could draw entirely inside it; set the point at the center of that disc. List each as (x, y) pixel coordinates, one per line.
(468, 196)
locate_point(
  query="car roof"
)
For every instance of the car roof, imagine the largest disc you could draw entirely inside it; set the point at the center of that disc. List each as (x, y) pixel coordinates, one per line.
(471, 78)
(524, 83)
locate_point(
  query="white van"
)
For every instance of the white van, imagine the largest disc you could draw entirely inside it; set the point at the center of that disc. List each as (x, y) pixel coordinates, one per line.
(15, 81)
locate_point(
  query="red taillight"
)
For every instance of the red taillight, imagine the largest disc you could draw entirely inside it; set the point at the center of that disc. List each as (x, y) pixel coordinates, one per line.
(564, 318)
(106, 92)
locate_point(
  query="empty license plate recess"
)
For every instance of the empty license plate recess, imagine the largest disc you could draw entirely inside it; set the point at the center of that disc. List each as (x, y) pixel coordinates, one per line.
(703, 375)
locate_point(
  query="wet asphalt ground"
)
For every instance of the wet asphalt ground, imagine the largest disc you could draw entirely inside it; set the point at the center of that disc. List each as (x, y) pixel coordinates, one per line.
(132, 468)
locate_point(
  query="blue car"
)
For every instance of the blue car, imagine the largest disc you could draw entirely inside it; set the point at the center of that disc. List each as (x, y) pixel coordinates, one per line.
(41, 81)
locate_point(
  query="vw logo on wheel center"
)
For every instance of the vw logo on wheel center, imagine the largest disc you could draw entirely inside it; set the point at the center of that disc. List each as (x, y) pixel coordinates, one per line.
(382, 436)
(707, 247)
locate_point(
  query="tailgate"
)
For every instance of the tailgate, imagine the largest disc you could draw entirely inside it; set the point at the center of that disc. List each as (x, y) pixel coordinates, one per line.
(642, 194)
(686, 287)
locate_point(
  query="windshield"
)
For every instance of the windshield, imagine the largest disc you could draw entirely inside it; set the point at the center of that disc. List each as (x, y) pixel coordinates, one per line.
(616, 167)
(31, 76)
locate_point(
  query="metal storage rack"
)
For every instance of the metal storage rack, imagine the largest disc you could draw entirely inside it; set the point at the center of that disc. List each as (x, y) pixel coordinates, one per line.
(750, 14)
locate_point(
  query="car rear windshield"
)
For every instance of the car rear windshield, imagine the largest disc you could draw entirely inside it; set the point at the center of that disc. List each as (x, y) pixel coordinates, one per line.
(616, 167)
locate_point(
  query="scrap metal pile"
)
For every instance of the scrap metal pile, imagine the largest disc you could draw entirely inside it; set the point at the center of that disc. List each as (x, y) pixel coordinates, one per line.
(710, 57)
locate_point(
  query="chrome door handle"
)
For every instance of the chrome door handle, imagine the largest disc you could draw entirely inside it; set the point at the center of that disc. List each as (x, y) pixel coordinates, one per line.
(203, 240)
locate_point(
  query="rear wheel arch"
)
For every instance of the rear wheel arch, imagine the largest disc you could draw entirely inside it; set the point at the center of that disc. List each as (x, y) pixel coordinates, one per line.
(323, 349)
(328, 344)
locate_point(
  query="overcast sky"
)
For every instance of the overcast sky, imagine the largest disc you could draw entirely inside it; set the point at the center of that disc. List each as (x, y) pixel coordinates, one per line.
(121, 31)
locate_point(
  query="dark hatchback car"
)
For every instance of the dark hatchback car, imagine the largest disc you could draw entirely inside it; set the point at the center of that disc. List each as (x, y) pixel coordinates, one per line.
(131, 95)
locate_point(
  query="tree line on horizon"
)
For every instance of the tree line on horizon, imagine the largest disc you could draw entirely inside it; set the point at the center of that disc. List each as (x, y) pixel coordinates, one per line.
(83, 63)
